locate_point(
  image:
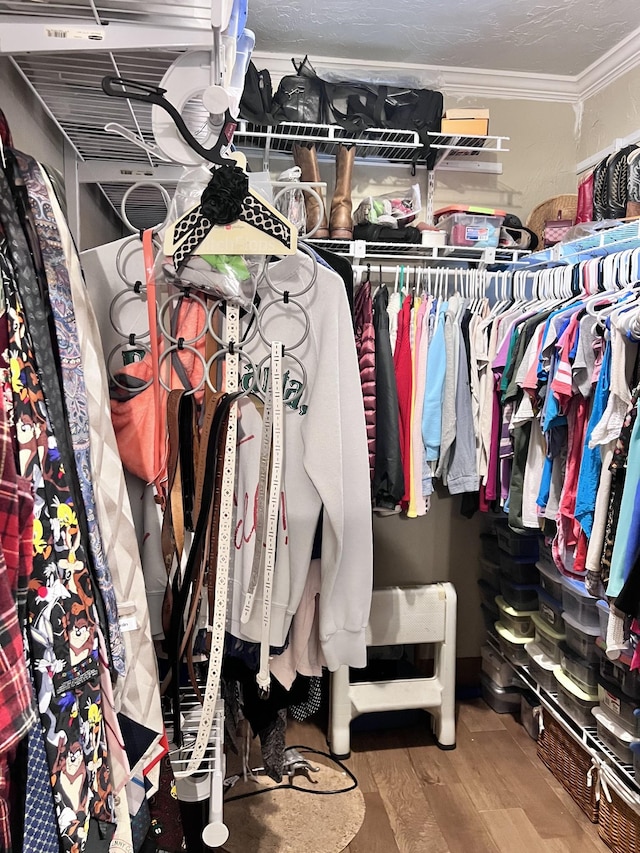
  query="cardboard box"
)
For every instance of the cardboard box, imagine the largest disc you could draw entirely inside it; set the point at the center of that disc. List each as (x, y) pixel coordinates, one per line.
(465, 127)
(468, 112)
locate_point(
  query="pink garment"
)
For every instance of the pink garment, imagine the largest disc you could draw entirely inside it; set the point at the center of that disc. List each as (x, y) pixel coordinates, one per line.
(303, 655)
(584, 212)
(564, 545)
(491, 489)
(403, 368)
(418, 507)
(562, 384)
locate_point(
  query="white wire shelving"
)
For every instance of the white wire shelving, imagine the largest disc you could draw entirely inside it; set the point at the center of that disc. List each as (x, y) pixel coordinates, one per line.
(587, 736)
(416, 253)
(391, 146)
(604, 242)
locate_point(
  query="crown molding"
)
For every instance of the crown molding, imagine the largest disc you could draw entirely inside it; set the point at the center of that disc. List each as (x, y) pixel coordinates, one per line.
(624, 57)
(481, 82)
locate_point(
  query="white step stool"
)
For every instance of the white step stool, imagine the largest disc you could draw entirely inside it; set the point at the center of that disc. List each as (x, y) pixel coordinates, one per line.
(403, 616)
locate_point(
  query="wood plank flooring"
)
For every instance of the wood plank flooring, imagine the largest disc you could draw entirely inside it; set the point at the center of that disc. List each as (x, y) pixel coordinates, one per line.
(490, 795)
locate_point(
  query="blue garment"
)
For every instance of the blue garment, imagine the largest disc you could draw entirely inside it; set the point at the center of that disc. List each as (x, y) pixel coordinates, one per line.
(622, 558)
(591, 464)
(545, 483)
(434, 390)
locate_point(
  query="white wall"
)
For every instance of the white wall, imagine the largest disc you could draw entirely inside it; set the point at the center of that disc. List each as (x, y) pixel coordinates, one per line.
(612, 113)
(35, 134)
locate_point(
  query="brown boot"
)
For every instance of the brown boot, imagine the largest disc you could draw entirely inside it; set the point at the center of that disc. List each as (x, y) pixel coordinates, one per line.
(306, 158)
(340, 221)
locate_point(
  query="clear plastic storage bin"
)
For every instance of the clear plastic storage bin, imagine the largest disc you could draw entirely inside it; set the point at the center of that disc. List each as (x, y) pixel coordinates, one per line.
(487, 593)
(519, 569)
(578, 603)
(584, 675)
(581, 638)
(547, 639)
(619, 673)
(545, 555)
(503, 700)
(490, 616)
(577, 704)
(550, 580)
(490, 573)
(519, 622)
(497, 668)
(603, 616)
(518, 544)
(471, 229)
(550, 610)
(619, 707)
(614, 736)
(519, 595)
(489, 547)
(530, 710)
(512, 647)
(541, 667)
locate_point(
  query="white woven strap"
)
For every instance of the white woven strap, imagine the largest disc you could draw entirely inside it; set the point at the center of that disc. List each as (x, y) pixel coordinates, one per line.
(264, 676)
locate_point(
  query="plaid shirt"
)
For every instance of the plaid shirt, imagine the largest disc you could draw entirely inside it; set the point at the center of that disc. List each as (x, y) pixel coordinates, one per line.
(17, 714)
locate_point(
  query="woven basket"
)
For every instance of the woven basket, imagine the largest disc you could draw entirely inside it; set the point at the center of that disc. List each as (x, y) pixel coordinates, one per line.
(619, 823)
(567, 204)
(570, 764)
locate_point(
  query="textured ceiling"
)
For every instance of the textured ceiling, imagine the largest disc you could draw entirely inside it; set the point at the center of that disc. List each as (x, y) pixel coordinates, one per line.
(558, 37)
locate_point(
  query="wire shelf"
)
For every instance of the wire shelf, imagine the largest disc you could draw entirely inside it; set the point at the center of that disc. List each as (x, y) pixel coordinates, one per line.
(417, 252)
(371, 143)
(213, 760)
(605, 242)
(586, 735)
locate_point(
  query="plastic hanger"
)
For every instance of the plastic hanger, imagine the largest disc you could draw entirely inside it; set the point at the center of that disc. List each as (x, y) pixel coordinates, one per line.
(132, 90)
(272, 233)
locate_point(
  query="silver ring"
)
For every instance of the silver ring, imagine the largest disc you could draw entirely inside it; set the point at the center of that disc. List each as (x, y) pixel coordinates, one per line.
(126, 293)
(314, 276)
(307, 326)
(177, 348)
(118, 348)
(312, 192)
(290, 355)
(238, 344)
(241, 355)
(163, 311)
(125, 198)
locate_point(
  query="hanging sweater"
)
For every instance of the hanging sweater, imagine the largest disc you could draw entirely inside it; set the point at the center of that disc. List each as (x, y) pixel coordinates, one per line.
(325, 469)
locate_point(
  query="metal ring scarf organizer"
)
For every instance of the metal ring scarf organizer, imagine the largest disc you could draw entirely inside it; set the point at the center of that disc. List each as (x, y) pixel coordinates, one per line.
(198, 761)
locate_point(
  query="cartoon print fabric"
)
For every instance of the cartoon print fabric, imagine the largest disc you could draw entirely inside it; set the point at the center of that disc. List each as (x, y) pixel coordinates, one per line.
(62, 620)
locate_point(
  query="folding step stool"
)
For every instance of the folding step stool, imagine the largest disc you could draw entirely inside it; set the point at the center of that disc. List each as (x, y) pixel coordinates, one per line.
(403, 616)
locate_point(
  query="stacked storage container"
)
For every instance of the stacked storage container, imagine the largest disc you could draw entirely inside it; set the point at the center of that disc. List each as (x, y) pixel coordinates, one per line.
(501, 688)
(545, 652)
(518, 600)
(617, 716)
(578, 675)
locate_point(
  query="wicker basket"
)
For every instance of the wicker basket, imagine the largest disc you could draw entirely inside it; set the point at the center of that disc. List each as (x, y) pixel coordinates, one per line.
(571, 764)
(619, 822)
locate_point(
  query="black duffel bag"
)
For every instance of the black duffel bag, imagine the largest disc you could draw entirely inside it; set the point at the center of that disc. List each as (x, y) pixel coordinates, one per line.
(357, 106)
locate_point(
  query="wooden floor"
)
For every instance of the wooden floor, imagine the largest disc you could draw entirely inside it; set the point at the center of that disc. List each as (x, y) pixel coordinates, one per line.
(490, 795)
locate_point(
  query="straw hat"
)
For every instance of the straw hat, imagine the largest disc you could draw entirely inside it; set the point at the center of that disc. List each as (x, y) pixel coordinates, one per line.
(547, 210)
